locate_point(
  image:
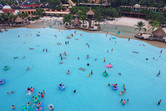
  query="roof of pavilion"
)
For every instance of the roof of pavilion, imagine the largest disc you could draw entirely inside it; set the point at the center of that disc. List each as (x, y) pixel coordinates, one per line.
(159, 32)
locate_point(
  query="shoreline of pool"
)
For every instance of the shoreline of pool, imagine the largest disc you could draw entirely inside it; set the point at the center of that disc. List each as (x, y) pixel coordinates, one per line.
(127, 35)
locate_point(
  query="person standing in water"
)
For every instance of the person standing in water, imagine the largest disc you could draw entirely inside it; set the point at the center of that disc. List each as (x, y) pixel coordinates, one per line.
(74, 91)
(91, 72)
(158, 73)
(159, 102)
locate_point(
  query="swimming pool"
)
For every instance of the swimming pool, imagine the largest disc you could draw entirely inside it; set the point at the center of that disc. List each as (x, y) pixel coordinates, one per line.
(143, 88)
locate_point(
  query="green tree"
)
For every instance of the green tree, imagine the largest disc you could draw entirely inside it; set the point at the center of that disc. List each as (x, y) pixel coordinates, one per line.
(67, 19)
(39, 12)
(154, 24)
(83, 17)
(54, 4)
(140, 25)
(98, 18)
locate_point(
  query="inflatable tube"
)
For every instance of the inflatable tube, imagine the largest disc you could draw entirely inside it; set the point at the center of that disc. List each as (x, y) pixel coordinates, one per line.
(39, 108)
(88, 75)
(35, 100)
(109, 65)
(114, 87)
(26, 108)
(6, 68)
(61, 87)
(37, 35)
(113, 37)
(105, 74)
(2, 81)
(50, 105)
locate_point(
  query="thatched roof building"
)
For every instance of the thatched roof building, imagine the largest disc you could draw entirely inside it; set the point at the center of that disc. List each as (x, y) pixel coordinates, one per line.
(159, 32)
(90, 12)
(76, 22)
(18, 20)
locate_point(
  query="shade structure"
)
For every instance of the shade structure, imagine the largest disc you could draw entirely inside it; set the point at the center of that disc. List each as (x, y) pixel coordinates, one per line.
(90, 12)
(76, 22)
(159, 32)
(18, 20)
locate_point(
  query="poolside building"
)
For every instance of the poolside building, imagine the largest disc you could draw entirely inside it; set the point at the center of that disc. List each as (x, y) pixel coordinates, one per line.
(95, 3)
(31, 3)
(7, 9)
(158, 34)
(90, 15)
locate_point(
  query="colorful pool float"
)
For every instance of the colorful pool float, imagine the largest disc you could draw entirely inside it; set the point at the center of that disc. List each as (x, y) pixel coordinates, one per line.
(109, 65)
(26, 108)
(6, 68)
(114, 88)
(2, 81)
(39, 107)
(61, 87)
(105, 74)
(35, 99)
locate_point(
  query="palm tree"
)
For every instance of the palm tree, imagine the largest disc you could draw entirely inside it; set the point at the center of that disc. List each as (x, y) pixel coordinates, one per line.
(67, 19)
(140, 26)
(154, 24)
(83, 18)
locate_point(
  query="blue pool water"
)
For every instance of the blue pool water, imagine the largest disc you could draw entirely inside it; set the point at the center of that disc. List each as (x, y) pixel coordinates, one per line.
(143, 88)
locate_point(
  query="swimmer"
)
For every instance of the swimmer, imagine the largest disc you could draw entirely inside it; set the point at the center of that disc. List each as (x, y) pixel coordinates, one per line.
(39, 94)
(112, 50)
(46, 50)
(51, 108)
(158, 73)
(87, 56)
(42, 95)
(123, 86)
(128, 39)
(104, 59)
(159, 102)
(161, 51)
(43, 92)
(13, 106)
(32, 89)
(28, 104)
(74, 91)
(108, 84)
(96, 59)
(91, 72)
(43, 50)
(124, 102)
(29, 89)
(78, 58)
(124, 90)
(88, 64)
(68, 72)
(60, 54)
(121, 100)
(119, 74)
(115, 85)
(10, 92)
(127, 100)
(105, 71)
(27, 68)
(121, 92)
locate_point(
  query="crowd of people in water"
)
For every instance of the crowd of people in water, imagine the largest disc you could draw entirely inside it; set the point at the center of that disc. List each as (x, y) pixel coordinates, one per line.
(62, 57)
